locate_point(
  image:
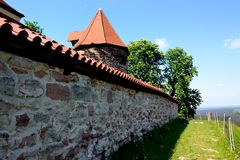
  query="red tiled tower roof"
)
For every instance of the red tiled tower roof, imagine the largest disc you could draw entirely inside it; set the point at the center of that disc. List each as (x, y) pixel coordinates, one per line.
(6, 6)
(99, 31)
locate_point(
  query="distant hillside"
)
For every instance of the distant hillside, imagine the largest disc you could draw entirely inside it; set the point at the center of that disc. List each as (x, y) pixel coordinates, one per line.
(231, 111)
(218, 107)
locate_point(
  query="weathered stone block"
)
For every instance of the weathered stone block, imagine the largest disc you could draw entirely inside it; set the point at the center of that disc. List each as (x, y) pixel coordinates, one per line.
(74, 77)
(80, 110)
(28, 141)
(82, 93)
(86, 136)
(71, 154)
(62, 116)
(57, 92)
(65, 141)
(42, 132)
(19, 70)
(7, 86)
(4, 136)
(22, 62)
(40, 73)
(5, 56)
(54, 146)
(31, 88)
(2, 68)
(101, 109)
(60, 77)
(109, 97)
(90, 110)
(51, 134)
(41, 117)
(5, 106)
(4, 114)
(4, 120)
(22, 120)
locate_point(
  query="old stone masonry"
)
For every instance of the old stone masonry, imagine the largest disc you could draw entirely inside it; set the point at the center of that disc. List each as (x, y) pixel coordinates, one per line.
(45, 115)
(67, 103)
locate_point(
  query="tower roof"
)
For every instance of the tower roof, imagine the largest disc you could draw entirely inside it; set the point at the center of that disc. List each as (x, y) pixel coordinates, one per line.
(99, 31)
(7, 7)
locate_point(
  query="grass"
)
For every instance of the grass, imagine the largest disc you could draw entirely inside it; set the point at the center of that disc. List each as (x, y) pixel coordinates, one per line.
(181, 140)
(203, 140)
(236, 135)
(158, 144)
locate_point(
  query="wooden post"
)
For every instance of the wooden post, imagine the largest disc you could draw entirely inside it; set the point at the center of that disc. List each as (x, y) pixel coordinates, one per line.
(224, 117)
(217, 119)
(209, 116)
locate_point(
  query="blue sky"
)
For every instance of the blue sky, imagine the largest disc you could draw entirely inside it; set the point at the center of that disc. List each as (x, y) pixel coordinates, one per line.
(209, 30)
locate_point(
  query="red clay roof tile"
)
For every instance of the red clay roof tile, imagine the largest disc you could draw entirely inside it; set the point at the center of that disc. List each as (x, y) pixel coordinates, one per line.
(99, 31)
(17, 29)
(74, 36)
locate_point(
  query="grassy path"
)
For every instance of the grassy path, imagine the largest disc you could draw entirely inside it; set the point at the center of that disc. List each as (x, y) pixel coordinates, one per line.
(180, 140)
(202, 140)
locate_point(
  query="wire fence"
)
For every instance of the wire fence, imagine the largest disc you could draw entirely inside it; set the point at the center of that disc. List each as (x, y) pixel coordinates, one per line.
(226, 125)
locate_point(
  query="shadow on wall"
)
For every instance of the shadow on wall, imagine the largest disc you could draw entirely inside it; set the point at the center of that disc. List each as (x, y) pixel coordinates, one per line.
(155, 145)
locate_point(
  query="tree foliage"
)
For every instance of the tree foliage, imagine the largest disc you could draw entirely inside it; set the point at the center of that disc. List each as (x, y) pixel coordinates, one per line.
(179, 72)
(144, 62)
(173, 71)
(188, 102)
(33, 25)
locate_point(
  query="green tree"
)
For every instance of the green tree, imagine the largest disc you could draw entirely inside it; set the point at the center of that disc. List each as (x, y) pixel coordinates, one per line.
(172, 71)
(33, 25)
(179, 72)
(145, 61)
(188, 102)
(194, 99)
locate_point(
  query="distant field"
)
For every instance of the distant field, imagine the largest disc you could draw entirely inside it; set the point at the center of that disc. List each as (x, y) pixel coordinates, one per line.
(233, 112)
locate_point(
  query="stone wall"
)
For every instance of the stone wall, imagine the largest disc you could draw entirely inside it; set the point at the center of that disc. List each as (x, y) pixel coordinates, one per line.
(115, 57)
(47, 115)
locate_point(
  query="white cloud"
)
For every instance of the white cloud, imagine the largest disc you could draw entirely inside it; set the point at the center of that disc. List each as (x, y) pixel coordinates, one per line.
(232, 43)
(220, 85)
(161, 42)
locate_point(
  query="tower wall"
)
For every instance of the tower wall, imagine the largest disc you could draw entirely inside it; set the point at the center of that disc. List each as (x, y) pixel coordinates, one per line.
(115, 57)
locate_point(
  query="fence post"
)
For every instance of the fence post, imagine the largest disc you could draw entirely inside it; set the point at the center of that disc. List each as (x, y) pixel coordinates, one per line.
(231, 139)
(232, 136)
(224, 117)
(217, 119)
(209, 116)
(214, 117)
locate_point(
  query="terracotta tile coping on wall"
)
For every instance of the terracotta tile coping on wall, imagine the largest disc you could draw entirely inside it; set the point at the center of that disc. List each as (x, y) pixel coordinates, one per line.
(20, 40)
